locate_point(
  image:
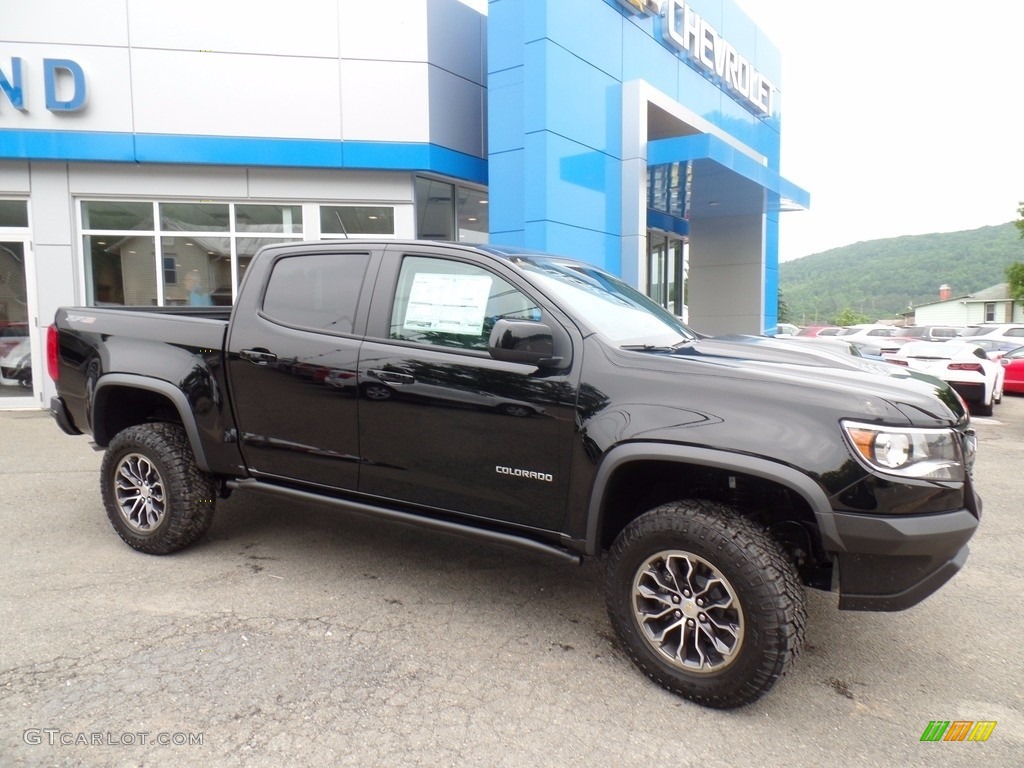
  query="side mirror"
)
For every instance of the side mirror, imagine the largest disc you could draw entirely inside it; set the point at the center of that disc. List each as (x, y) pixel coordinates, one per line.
(523, 341)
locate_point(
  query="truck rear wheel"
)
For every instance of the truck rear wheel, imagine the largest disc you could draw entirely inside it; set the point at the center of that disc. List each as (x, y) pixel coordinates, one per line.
(705, 602)
(156, 497)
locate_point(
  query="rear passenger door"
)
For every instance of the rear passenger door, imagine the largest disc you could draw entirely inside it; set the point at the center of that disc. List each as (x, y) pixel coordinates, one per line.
(444, 425)
(292, 355)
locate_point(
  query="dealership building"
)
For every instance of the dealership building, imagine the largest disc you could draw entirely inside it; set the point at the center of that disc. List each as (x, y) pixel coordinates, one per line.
(147, 147)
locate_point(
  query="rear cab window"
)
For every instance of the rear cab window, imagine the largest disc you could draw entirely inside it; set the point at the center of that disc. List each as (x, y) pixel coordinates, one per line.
(317, 292)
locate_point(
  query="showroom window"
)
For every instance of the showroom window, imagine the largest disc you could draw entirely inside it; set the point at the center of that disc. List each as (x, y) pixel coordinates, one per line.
(340, 221)
(176, 253)
(13, 213)
(445, 211)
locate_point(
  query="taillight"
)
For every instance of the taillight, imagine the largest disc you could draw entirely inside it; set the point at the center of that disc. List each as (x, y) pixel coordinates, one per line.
(976, 367)
(52, 353)
(899, 362)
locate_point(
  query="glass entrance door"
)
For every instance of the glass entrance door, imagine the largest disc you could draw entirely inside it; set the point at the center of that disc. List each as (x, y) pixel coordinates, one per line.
(666, 270)
(17, 386)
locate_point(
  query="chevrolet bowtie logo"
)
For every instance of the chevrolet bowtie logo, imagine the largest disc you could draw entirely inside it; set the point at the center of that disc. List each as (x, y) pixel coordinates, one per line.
(650, 7)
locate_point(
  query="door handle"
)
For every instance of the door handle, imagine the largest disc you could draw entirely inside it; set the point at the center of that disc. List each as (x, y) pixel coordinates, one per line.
(258, 356)
(392, 377)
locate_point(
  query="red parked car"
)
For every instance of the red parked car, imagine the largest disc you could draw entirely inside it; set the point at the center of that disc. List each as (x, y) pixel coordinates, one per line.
(1013, 370)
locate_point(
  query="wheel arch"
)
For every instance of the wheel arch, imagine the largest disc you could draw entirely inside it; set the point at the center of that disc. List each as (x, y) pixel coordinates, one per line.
(625, 464)
(140, 399)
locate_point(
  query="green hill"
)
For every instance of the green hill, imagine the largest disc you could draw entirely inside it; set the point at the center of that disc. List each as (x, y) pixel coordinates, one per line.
(881, 278)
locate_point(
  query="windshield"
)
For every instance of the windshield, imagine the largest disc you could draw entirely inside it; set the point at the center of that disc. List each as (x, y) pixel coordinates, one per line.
(616, 310)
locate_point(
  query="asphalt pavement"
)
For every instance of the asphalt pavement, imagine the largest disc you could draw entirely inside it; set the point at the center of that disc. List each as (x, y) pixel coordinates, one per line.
(295, 635)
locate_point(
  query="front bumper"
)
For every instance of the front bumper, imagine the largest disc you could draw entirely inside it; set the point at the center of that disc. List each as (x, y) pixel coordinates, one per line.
(892, 563)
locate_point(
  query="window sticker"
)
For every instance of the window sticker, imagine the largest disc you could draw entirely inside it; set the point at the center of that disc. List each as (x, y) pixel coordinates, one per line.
(448, 303)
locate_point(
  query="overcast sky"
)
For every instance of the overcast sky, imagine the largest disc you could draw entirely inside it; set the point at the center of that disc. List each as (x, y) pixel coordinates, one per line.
(900, 117)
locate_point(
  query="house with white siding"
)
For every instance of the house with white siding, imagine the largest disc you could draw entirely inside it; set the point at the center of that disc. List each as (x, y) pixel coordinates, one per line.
(989, 305)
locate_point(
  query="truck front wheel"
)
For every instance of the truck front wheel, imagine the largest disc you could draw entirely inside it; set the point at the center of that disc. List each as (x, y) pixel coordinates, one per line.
(705, 602)
(156, 497)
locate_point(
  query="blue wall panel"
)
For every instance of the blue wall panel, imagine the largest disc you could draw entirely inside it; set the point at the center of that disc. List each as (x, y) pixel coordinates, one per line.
(240, 150)
(645, 59)
(563, 188)
(506, 200)
(587, 31)
(580, 186)
(67, 145)
(582, 103)
(505, 50)
(505, 118)
(598, 248)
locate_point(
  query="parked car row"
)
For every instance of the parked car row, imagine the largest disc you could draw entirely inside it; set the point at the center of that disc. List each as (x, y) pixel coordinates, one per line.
(980, 366)
(1012, 333)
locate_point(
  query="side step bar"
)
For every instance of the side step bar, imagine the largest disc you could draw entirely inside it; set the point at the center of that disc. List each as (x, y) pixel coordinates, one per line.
(445, 526)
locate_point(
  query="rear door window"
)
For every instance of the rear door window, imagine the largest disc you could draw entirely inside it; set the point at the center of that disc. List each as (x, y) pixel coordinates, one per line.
(316, 291)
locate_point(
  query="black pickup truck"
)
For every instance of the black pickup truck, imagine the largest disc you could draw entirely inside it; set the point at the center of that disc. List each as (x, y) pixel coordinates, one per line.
(537, 401)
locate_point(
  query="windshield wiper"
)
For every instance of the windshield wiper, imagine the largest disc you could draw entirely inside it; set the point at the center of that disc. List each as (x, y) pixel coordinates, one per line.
(646, 348)
(657, 347)
(684, 343)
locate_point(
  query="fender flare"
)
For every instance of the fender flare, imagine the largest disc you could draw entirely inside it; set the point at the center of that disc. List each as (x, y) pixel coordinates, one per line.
(168, 390)
(793, 479)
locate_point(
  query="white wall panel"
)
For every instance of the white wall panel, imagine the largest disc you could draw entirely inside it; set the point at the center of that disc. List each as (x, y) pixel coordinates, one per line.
(51, 204)
(97, 22)
(405, 221)
(55, 287)
(107, 82)
(295, 28)
(457, 113)
(726, 279)
(14, 177)
(128, 180)
(385, 101)
(457, 39)
(218, 94)
(956, 313)
(311, 184)
(395, 31)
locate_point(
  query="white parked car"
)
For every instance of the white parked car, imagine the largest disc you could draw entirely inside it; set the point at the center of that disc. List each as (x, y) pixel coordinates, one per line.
(16, 365)
(994, 332)
(964, 366)
(872, 331)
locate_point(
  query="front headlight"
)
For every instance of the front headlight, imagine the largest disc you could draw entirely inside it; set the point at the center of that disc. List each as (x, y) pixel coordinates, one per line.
(927, 454)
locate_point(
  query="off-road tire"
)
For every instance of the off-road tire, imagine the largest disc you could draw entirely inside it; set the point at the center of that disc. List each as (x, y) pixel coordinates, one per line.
(760, 578)
(157, 461)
